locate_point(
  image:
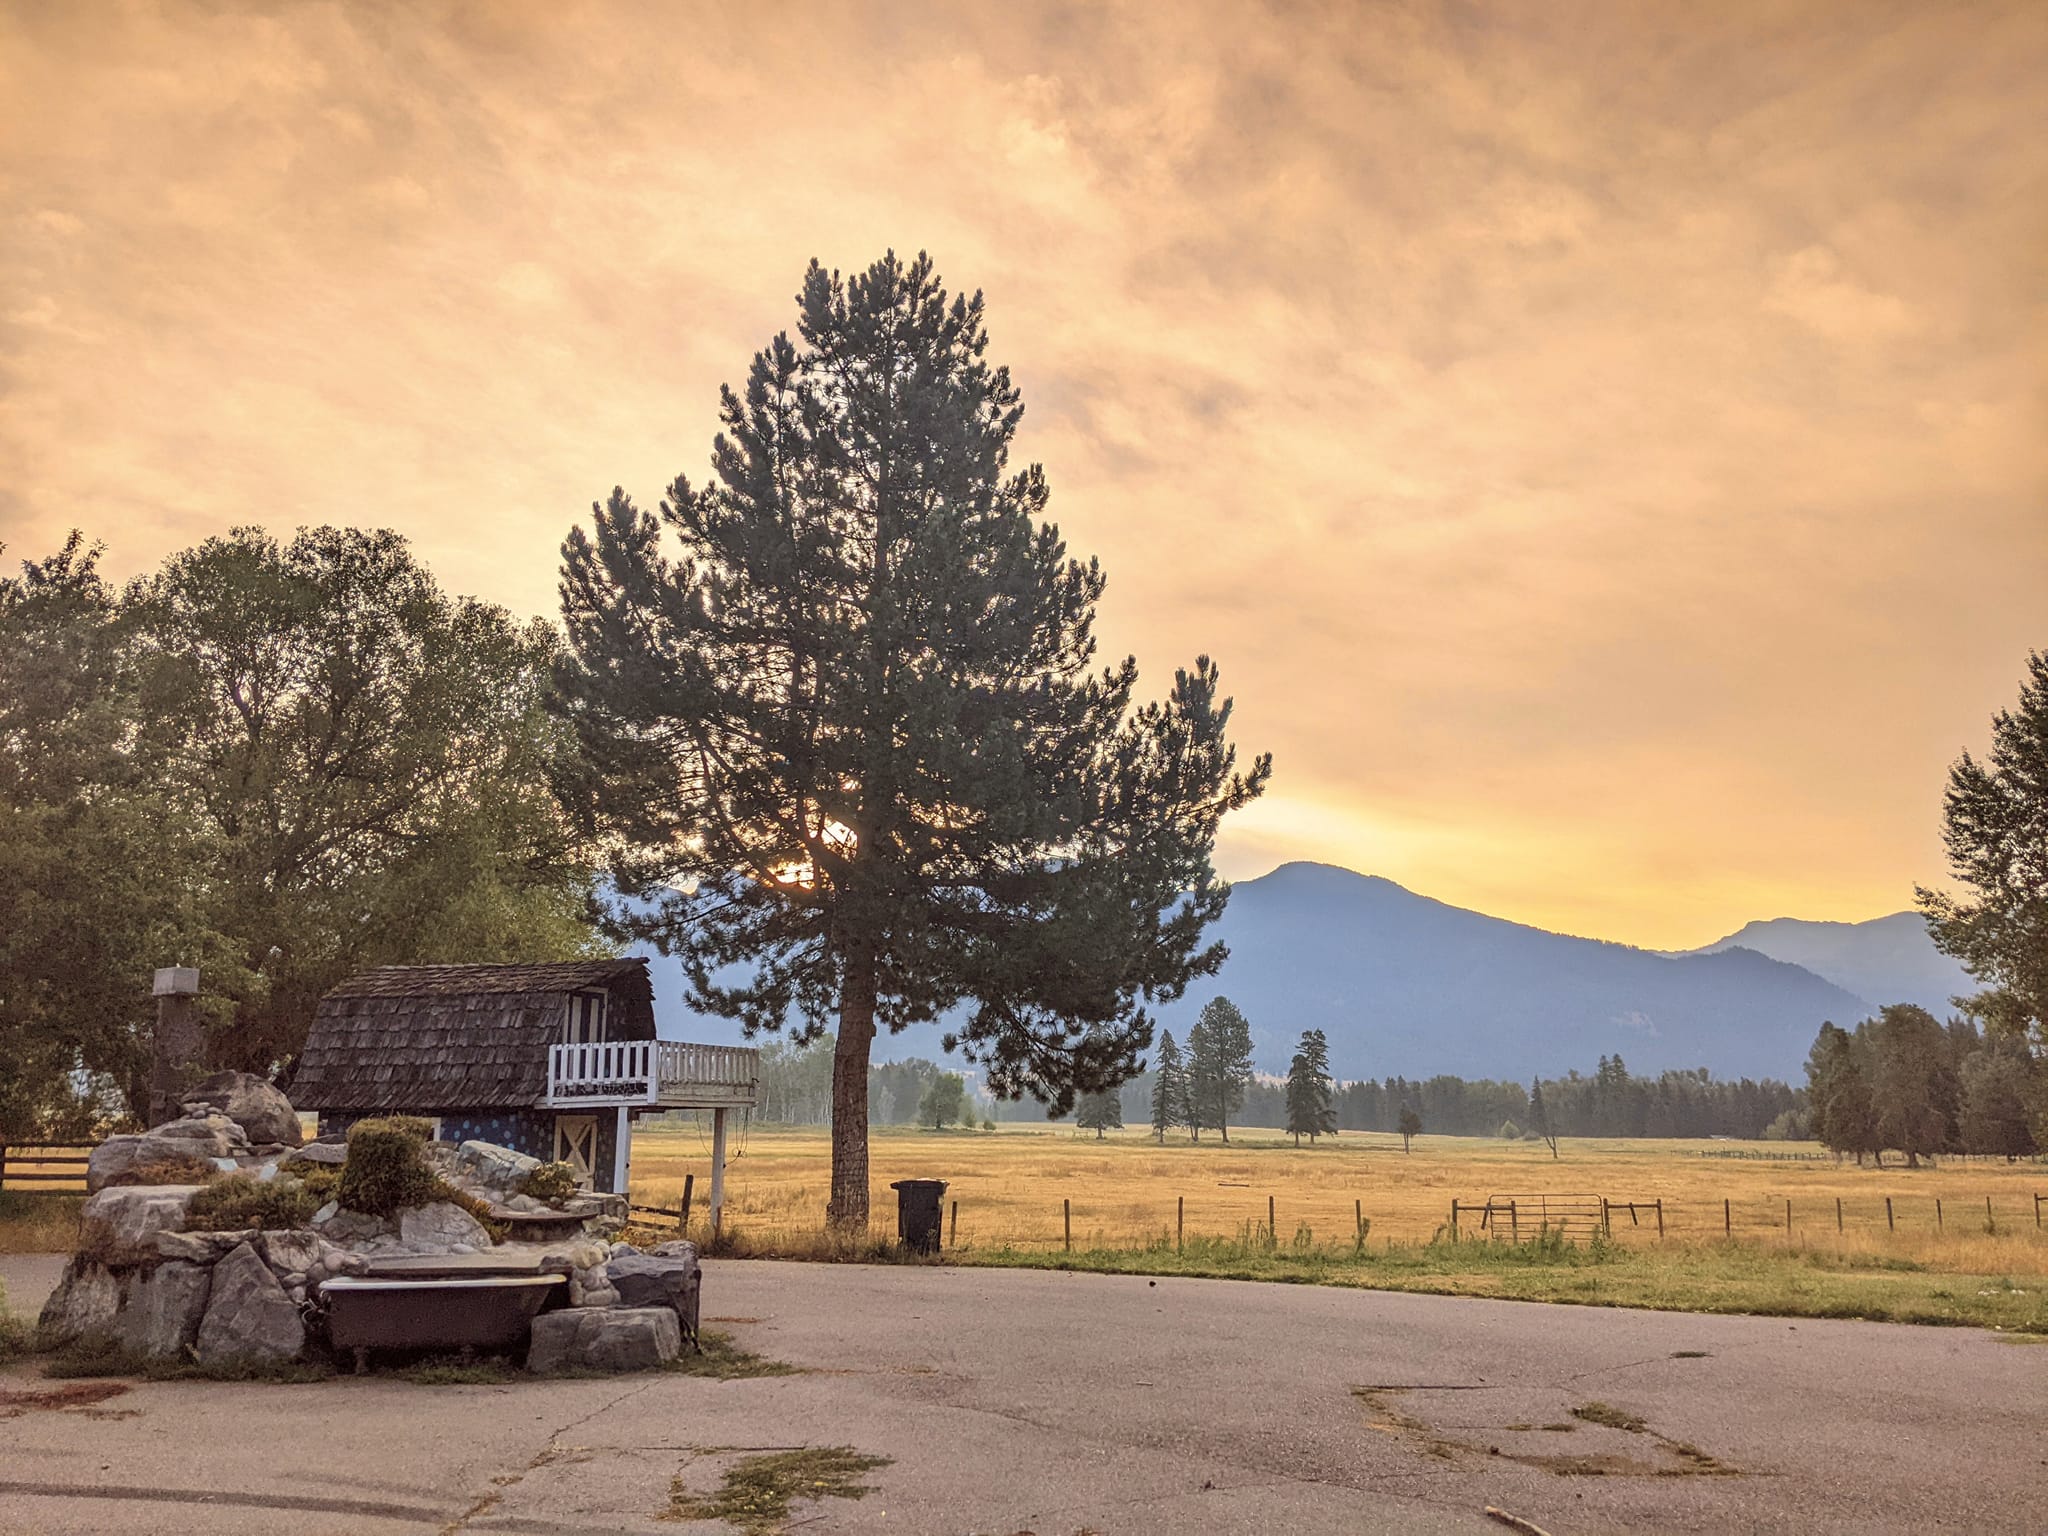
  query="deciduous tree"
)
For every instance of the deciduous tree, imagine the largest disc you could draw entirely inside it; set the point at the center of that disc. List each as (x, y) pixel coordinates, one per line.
(1411, 1125)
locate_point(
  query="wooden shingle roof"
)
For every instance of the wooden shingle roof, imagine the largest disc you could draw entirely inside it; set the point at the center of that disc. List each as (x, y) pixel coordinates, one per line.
(425, 1038)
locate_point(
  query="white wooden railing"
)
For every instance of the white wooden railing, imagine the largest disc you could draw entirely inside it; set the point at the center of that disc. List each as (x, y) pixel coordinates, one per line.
(653, 1071)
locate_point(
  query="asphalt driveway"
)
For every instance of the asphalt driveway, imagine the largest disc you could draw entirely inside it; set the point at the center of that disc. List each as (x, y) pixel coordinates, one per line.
(1031, 1402)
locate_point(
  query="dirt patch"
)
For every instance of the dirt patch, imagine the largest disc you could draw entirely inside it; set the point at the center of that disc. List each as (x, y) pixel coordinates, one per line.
(1633, 1448)
(77, 1394)
(758, 1490)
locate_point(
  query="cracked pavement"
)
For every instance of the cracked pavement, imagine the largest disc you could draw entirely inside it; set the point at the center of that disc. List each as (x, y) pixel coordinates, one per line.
(1014, 1401)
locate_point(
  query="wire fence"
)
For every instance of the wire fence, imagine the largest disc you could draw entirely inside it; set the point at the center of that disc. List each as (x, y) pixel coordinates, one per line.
(1019, 1220)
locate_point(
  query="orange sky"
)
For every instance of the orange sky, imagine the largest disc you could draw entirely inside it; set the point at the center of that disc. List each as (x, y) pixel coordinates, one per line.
(1603, 445)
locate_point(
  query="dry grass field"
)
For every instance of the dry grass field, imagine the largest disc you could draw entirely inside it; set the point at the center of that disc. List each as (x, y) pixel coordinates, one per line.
(1940, 1259)
(1123, 1190)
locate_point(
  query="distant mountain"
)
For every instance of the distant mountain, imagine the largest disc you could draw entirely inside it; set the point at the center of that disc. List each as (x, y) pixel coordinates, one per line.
(1886, 960)
(1406, 985)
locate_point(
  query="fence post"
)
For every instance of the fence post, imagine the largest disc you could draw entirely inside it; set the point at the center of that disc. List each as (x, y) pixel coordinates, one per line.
(683, 1217)
(1838, 1213)
(1727, 1218)
(3, 1182)
(2037, 1210)
(1606, 1226)
(1514, 1222)
(953, 1237)
(1937, 1213)
(1990, 1221)
(1454, 1215)
(1660, 1216)
(1889, 1224)
(1067, 1220)
(1180, 1220)
(1358, 1218)
(1788, 1217)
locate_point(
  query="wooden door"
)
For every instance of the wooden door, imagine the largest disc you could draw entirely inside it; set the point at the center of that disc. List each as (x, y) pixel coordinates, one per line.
(576, 1145)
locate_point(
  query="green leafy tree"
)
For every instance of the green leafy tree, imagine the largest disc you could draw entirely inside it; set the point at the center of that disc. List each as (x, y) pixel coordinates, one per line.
(2000, 1087)
(1912, 1082)
(1838, 1093)
(944, 1101)
(1995, 825)
(1219, 1064)
(1100, 1111)
(1169, 1088)
(850, 738)
(1411, 1125)
(1310, 1112)
(1539, 1116)
(92, 856)
(369, 760)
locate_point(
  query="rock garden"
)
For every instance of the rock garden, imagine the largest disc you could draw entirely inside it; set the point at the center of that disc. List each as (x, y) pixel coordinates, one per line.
(224, 1241)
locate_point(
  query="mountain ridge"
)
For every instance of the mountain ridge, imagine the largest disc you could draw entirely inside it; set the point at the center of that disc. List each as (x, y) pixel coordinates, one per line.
(1410, 985)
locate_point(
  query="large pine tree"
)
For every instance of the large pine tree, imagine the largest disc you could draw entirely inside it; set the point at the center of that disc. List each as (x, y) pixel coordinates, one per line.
(850, 737)
(1309, 1110)
(1169, 1088)
(1995, 824)
(1219, 1064)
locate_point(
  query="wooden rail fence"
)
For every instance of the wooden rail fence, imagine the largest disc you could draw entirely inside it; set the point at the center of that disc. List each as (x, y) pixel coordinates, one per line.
(45, 1167)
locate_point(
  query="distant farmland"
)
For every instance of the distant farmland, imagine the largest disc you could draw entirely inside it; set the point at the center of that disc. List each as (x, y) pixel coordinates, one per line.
(1122, 1191)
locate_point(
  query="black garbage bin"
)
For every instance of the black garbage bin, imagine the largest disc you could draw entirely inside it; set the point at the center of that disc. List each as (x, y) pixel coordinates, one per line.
(917, 1212)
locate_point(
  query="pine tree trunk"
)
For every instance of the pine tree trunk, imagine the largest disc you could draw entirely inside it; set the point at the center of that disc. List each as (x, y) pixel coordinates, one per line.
(848, 1209)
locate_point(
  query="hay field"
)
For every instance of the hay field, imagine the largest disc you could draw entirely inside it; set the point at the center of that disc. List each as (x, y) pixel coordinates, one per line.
(1010, 1183)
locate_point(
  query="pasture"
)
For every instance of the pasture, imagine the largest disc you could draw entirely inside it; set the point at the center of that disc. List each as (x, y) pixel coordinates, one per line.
(1939, 1257)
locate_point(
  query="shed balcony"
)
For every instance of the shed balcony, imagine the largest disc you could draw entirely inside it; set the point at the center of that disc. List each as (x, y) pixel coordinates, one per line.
(661, 1074)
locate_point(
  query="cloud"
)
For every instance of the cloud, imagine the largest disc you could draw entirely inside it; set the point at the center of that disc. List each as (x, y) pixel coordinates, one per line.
(1602, 444)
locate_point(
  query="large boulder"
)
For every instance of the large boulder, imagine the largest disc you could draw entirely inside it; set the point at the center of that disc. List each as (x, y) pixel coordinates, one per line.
(248, 1315)
(492, 1167)
(109, 1161)
(614, 1339)
(208, 1134)
(329, 1154)
(290, 1252)
(441, 1227)
(164, 1308)
(84, 1305)
(202, 1247)
(647, 1280)
(265, 1115)
(119, 1226)
(349, 1229)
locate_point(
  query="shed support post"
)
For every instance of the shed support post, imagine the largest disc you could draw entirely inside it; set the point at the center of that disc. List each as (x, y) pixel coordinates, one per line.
(622, 1143)
(717, 1171)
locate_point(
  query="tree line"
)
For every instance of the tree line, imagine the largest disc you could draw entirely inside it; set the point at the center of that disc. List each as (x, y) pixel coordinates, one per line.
(1904, 1082)
(279, 760)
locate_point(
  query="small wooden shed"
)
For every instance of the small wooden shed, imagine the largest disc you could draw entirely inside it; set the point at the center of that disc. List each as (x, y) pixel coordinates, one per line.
(552, 1060)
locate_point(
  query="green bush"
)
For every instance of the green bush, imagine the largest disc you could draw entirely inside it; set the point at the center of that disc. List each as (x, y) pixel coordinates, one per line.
(552, 1182)
(237, 1202)
(180, 1168)
(386, 1170)
(322, 1181)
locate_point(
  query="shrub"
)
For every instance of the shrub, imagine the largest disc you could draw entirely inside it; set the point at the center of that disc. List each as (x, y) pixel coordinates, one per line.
(179, 1168)
(386, 1170)
(552, 1182)
(17, 1334)
(236, 1202)
(321, 1181)
(1509, 1131)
